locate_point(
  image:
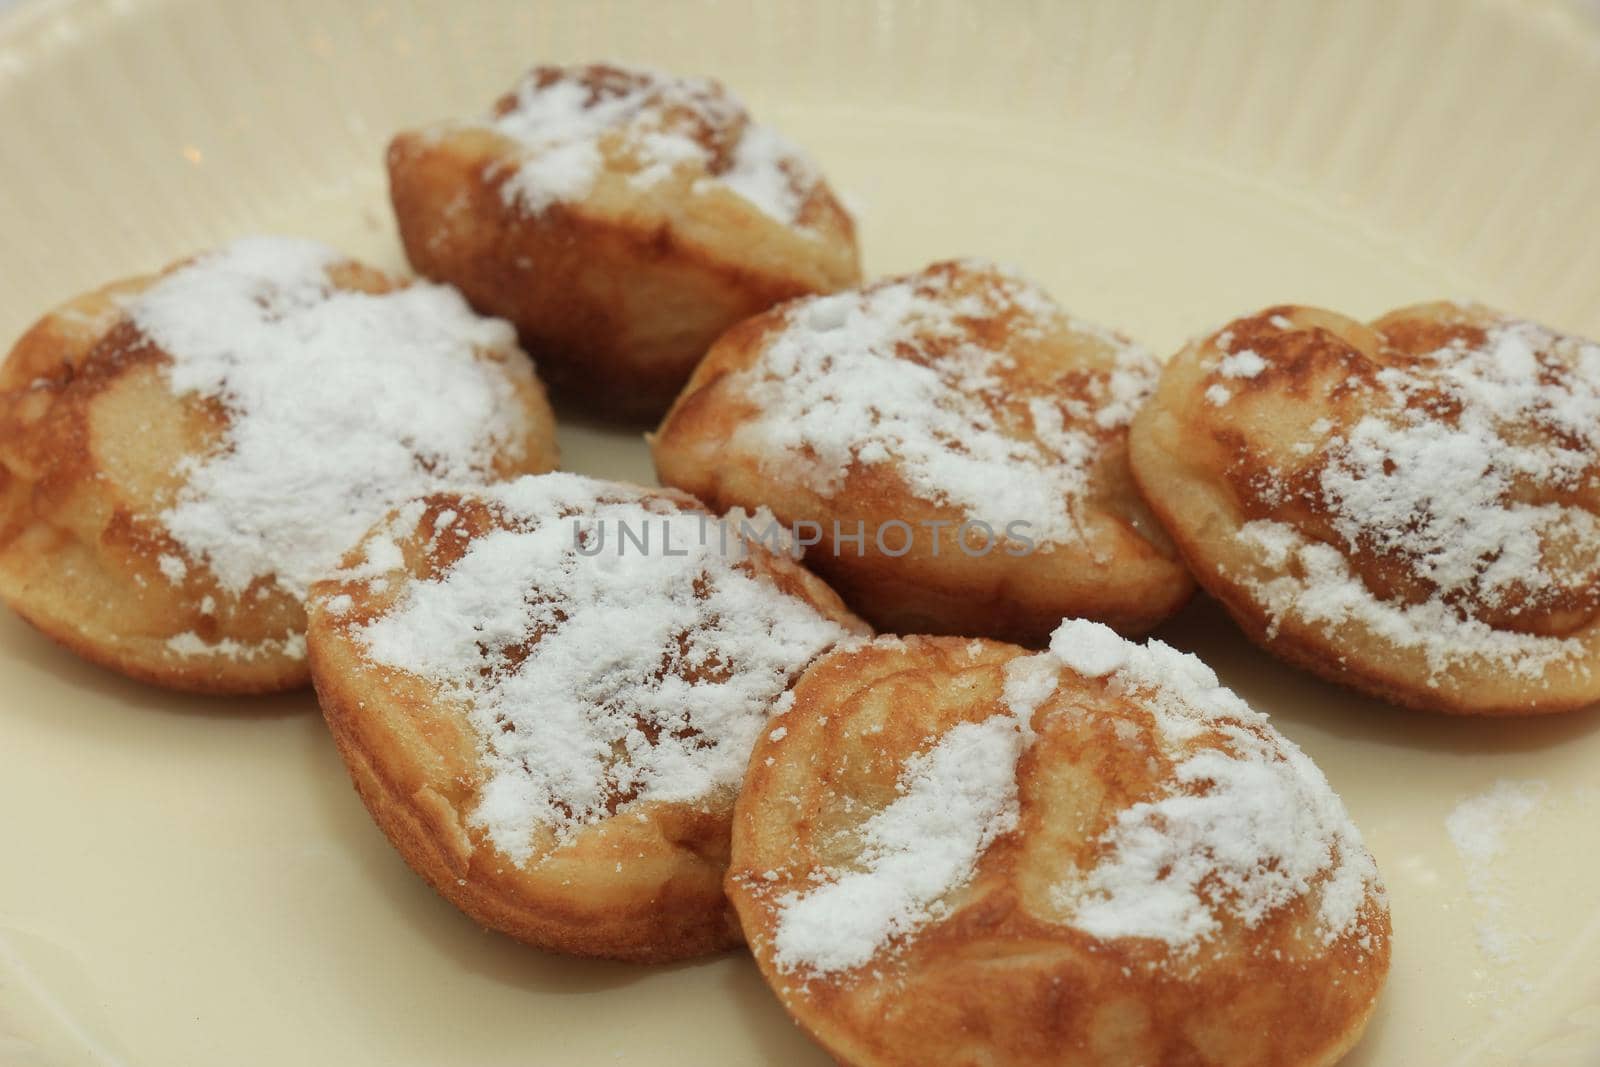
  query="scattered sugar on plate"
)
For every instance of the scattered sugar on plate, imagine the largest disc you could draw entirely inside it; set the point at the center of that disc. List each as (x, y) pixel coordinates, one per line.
(570, 123)
(339, 405)
(599, 682)
(1479, 827)
(899, 373)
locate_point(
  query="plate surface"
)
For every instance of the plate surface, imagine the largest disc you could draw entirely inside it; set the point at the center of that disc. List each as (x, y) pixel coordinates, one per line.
(194, 882)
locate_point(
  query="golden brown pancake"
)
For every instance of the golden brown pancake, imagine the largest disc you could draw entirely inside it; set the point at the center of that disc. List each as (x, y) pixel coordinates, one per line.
(621, 219)
(1407, 507)
(546, 692)
(954, 443)
(953, 852)
(181, 453)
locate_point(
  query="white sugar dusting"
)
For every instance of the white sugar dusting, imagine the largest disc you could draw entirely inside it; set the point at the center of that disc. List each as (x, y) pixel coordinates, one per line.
(1317, 586)
(570, 124)
(173, 568)
(1444, 493)
(339, 405)
(598, 682)
(954, 800)
(770, 172)
(1241, 364)
(1460, 472)
(898, 373)
(1478, 827)
(1247, 826)
(190, 644)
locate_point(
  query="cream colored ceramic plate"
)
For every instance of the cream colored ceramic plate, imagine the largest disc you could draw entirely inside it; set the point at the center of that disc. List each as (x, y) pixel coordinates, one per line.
(193, 882)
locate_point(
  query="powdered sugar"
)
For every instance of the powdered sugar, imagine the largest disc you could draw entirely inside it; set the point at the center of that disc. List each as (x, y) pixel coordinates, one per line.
(770, 172)
(574, 123)
(1464, 471)
(955, 799)
(1316, 585)
(1241, 364)
(899, 373)
(1247, 826)
(172, 568)
(1478, 827)
(189, 644)
(1088, 649)
(1030, 681)
(339, 405)
(1447, 493)
(599, 682)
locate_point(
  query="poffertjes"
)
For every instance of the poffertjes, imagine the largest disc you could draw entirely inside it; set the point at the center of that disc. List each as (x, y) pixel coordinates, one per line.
(546, 693)
(1410, 507)
(181, 454)
(622, 219)
(952, 441)
(952, 852)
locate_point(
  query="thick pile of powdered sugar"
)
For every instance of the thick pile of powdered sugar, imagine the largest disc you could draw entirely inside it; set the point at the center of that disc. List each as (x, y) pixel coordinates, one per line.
(1460, 471)
(1246, 826)
(599, 681)
(339, 404)
(662, 124)
(898, 373)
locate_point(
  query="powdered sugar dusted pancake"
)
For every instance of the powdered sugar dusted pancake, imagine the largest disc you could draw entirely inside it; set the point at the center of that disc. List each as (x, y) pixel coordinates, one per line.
(1410, 507)
(622, 219)
(955, 440)
(953, 852)
(181, 455)
(547, 693)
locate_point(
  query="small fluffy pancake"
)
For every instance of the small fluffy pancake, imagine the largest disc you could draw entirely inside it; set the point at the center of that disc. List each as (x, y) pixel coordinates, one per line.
(953, 441)
(181, 454)
(621, 219)
(955, 852)
(547, 692)
(1407, 507)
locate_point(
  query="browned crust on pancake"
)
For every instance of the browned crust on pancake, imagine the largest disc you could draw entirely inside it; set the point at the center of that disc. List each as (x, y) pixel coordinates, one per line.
(616, 296)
